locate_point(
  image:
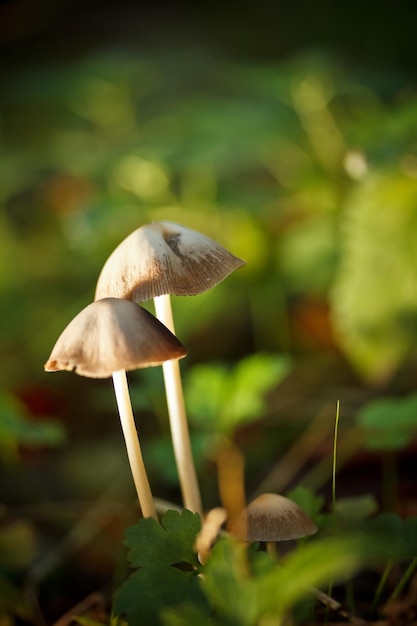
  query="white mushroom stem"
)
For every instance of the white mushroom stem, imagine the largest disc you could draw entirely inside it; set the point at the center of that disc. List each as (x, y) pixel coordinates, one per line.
(178, 417)
(134, 452)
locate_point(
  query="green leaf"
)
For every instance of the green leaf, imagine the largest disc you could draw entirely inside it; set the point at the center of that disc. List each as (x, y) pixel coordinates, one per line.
(356, 509)
(222, 398)
(143, 597)
(311, 503)
(167, 543)
(389, 423)
(160, 457)
(246, 587)
(168, 568)
(231, 591)
(189, 615)
(387, 536)
(315, 564)
(374, 299)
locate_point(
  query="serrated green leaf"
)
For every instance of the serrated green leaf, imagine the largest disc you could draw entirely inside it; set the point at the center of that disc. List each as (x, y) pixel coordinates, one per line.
(168, 568)
(148, 591)
(170, 542)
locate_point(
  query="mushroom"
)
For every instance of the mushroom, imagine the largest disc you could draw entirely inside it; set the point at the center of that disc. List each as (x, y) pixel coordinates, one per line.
(272, 517)
(155, 261)
(107, 338)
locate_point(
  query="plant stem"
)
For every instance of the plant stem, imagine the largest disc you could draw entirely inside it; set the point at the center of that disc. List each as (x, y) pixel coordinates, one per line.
(404, 580)
(334, 464)
(178, 417)
(134, 452)
(336, 431)
(381, 584)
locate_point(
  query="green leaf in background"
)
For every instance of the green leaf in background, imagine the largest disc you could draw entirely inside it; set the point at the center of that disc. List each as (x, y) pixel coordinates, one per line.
(374, 299)
(246, 587)
(388, 536)
(356, 509)
(222, 398)
(388, 423)
(160, 458)
(308, 253)
(168, 568)
(16, 428)
(310, 502)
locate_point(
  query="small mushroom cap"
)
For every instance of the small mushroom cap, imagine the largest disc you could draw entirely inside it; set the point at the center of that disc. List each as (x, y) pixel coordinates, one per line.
(164, 258)
(110, 335)
(272, 517)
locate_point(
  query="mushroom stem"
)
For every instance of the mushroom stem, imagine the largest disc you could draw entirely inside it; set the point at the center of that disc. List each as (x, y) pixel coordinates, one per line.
(134, 452)
(178, 417)
(230, 469)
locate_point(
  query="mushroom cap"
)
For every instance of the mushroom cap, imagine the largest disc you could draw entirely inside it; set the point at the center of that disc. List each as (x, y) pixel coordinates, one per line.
(164, 258)
(272, 517)
(110, 335)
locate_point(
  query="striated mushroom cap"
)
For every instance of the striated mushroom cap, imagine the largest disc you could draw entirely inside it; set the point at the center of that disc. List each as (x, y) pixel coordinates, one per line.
(110, 335)
(164, 258)
(272, 517)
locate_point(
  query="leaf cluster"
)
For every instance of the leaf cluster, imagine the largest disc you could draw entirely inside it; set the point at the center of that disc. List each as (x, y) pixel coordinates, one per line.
(221, 398)
(237, 584)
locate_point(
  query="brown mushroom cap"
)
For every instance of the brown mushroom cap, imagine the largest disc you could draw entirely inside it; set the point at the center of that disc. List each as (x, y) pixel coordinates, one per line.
(164, 258)
(272, 517)
(110, 335)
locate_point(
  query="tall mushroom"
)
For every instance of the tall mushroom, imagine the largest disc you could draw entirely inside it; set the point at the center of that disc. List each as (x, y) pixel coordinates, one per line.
(107, 338)
(155, 261)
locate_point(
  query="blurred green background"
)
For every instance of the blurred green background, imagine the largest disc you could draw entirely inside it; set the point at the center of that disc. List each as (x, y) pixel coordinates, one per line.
(289, 134)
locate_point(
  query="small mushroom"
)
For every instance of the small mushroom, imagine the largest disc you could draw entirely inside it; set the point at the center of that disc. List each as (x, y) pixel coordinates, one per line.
(107, 338)
(155, 261)
(272, 517)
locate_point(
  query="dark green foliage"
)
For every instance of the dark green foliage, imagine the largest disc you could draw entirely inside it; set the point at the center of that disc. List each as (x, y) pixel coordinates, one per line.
(168, 568)
(390, 537)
